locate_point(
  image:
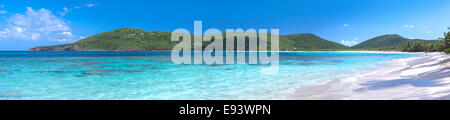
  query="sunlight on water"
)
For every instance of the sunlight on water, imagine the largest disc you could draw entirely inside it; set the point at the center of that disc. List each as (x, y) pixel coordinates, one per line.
(151, 75)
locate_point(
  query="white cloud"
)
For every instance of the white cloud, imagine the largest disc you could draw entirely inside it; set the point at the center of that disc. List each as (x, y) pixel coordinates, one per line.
(35, 36)
(67, 10)
(82, 37)
(64, 12)
(65, 33)
(3, 11)
(408, 26)
(428, 32)
(39, 25)
(91, 5)
(350, 42)
(346, 25)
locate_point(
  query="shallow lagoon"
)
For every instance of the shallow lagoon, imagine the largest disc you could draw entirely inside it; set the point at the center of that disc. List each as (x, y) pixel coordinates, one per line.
(152, 75)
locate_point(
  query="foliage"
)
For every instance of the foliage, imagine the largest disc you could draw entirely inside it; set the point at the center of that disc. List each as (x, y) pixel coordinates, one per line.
(307, 41)
(447, 41)
(130, 39)
(443, 45)
(389, 42)
(423, 47)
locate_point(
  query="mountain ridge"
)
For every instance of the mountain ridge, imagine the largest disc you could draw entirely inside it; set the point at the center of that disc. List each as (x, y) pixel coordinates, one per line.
(133, 39)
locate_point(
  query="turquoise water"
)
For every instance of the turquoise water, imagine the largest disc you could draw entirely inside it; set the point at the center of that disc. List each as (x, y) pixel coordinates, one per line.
(151, 75)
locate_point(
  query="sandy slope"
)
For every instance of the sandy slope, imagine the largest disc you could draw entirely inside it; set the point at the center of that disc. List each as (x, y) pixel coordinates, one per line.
(424, 77)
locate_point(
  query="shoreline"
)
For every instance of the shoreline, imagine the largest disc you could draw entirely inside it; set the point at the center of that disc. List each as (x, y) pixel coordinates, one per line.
(362, 51)
(424, 77)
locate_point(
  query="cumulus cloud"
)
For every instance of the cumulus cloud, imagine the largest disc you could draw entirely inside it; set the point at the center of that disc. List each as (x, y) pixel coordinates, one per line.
(38, 25)
(408, 26)
(350, 42)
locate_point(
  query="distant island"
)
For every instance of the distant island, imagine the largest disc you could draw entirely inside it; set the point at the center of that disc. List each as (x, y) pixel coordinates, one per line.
(131, 39)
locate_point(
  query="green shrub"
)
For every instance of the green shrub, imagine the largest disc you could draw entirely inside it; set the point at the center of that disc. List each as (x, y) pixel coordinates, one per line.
(447, 51)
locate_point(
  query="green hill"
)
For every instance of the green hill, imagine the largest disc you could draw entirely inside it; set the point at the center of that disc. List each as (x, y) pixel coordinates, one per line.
(307, 41)
(125, 39)
(130, 39)
(389, 41)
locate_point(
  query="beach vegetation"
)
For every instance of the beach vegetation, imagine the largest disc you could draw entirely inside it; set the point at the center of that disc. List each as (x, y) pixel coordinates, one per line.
(446, 41)
(423, 47)
(396, 42)
(420, 46)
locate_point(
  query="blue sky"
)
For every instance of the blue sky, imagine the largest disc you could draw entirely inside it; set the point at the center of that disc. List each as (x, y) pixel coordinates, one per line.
(26, 23)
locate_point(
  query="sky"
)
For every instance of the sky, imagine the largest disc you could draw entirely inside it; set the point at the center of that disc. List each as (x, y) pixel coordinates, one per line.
(30, 23)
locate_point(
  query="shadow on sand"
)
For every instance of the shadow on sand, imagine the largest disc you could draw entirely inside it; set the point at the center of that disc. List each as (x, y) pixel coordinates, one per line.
(427, 79)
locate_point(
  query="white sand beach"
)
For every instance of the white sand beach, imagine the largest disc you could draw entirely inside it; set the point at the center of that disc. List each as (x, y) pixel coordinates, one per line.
(426, 77)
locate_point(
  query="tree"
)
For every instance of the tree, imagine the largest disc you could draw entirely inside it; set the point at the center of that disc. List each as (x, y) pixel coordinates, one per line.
(406, 48)
(447, 41)
(444, 45)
